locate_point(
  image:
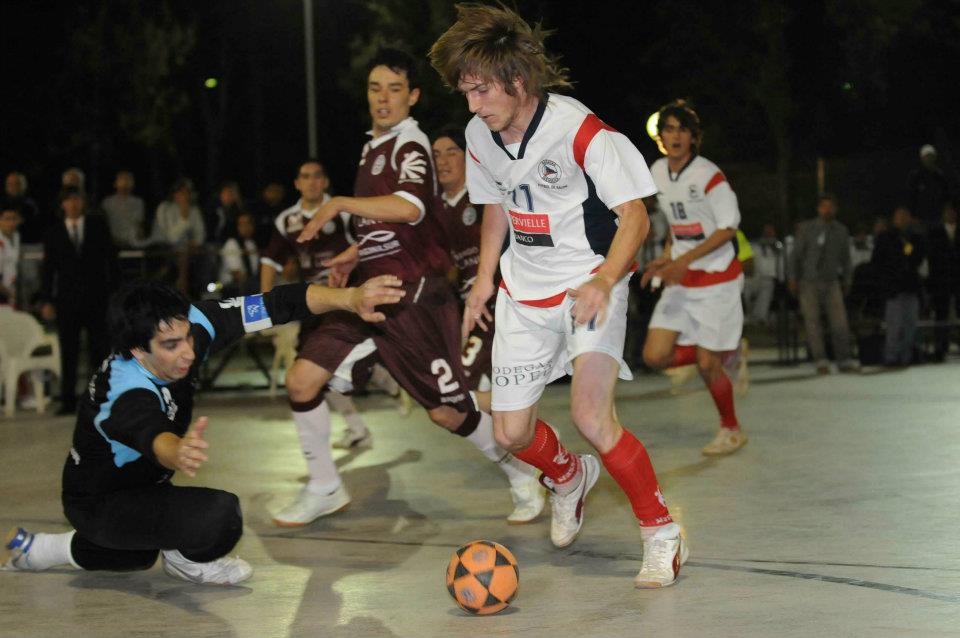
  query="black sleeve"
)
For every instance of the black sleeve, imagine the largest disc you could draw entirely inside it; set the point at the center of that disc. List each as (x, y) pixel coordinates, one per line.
(228, 320)
(136, 419)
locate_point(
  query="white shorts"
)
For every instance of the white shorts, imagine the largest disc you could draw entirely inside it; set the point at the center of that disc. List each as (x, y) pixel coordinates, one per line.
(710, 316)
(534, 346)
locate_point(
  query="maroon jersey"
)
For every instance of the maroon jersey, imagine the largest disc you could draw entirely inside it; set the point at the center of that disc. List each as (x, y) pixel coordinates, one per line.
(399, 163)
(461, 220)
(329, 242)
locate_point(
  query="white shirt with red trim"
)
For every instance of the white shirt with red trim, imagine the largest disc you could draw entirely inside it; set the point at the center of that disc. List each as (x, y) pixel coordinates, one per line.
(558, 188)
(697, 201)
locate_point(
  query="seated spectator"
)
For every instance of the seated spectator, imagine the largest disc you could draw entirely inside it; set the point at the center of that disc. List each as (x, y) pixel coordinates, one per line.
(33, 223)
(897, 257)
(125, 212)
(179, 225)
(9, 254)
(221, 218)
(239, 259)
(272, 203)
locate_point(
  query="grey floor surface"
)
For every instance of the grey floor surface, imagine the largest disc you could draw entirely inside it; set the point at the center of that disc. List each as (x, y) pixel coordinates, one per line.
(840, 518)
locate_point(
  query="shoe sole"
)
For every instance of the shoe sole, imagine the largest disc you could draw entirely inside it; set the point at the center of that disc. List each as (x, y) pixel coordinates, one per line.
(725, 452)
(591, 481)
(652, 584)
(291, 524)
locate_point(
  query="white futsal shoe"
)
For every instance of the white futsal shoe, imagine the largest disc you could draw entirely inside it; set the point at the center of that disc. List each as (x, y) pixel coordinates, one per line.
(354, 440)
(680, 376)
(228, 570)
(311, 505)
(529, 498)
(567, 511)
(726, 442)
(663, 554)
(735, 365)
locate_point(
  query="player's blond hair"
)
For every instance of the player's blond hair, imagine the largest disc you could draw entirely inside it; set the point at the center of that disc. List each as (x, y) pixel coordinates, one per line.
(495, 44)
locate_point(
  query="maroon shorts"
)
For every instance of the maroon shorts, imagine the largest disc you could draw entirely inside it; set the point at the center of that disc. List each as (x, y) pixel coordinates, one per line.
(419, 344)
(478, 349)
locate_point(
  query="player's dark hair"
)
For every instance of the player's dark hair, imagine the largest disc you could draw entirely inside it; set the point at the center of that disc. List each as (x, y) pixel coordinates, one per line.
(495, 44)
(688, 118)
(310, 160)
(70, 191)
(397, 61)
(138, 309)
(829, 197)
(455, 133)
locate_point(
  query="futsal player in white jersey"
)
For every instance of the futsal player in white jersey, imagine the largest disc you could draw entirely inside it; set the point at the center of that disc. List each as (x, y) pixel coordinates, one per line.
(699, 318)
(567, 189)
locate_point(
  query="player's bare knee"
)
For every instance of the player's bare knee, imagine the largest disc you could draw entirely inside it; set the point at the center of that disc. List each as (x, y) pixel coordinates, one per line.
(302, 387)
(446, 417)
(656, 358)
(512, 434)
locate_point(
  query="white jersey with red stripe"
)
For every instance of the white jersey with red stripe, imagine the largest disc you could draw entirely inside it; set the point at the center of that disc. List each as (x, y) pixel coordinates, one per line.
(698, 200)
(558, 188)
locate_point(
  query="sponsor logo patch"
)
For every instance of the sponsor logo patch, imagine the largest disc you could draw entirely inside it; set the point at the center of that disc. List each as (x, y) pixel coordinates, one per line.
(531, 229)
(469, 216)
(255, 316)
(688, 231)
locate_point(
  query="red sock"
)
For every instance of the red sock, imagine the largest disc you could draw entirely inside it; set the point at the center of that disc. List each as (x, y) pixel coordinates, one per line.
(722, 392)
(683, 356)
(548, 455)
(629, 464)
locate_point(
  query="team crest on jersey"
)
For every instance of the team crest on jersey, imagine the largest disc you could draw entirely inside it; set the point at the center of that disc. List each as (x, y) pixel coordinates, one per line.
(469, 216)
(330, 227)
(168, 401)
(549, 171)
(378, 165)
(694, 192)
(413, 167)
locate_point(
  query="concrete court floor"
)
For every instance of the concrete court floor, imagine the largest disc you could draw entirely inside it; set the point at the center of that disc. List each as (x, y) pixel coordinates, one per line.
(839, 518)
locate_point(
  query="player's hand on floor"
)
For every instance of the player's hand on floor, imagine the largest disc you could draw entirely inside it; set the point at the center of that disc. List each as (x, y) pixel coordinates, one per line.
(190, 451)
(590, 301)
(385, 289)
(475, 312)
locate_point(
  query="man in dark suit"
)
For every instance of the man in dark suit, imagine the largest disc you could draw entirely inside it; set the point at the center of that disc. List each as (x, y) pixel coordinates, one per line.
(79, 272)
(944, 280)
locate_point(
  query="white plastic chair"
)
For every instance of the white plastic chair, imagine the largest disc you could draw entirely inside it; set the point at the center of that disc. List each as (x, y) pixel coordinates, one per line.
(20, 336)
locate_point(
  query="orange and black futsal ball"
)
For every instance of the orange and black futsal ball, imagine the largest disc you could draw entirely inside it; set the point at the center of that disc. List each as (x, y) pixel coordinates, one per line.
(482, 577)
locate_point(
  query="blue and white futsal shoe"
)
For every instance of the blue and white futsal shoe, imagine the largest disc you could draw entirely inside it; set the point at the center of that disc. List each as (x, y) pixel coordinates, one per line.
(16, 550)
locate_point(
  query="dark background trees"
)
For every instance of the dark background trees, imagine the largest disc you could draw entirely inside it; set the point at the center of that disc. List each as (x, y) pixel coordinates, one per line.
(215, 90)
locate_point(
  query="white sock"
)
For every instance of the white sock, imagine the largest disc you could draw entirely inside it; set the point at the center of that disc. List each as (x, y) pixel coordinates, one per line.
(313, 428)
(348, 410)
(382, 379)
(50, 550)
(516, 470)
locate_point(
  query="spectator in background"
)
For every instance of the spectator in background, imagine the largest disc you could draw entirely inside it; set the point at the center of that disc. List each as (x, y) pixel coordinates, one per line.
(220, 221)
(861, 246)
(897, 256)
(272, 203)
(239, 259)
(15, 196)
(179, 225)
(125, 212)
(73, 177)
(768, 268)
(79, 273)
(9, 254)
(819, 263)
(927, 188)
(943, 284)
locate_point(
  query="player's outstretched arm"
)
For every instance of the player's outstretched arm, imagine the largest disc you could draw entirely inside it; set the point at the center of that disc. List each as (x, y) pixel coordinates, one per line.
(493, 230)
(362, 300)
(184, 454)
(384, 208)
